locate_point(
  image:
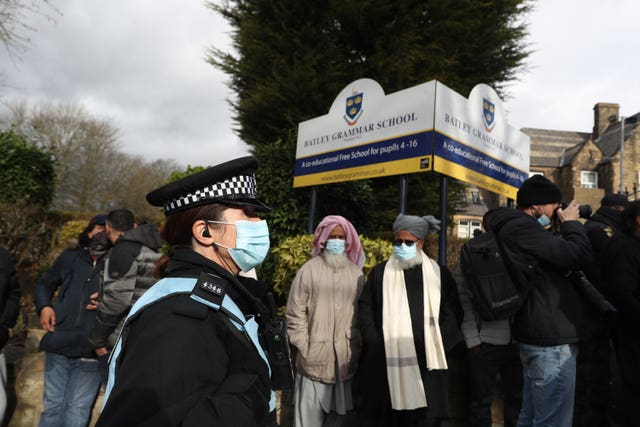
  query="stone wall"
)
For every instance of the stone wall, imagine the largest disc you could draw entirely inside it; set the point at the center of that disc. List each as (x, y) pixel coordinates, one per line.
(25, 365)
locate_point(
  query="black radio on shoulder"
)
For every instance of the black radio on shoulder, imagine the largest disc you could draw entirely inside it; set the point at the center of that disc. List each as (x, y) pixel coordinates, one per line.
(277, 347)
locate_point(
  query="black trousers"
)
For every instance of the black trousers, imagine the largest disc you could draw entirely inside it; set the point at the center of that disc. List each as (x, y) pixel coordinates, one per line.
(593, 379)
(391, 418)
(485, 363)
(627, 347)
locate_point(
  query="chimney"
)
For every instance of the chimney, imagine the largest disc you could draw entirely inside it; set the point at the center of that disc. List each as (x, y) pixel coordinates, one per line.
(602, 112)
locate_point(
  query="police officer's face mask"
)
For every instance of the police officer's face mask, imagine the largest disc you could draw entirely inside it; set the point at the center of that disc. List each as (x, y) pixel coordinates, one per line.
(252, 243)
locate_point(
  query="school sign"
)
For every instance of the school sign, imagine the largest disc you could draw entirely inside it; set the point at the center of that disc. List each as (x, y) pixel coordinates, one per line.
(368, 134)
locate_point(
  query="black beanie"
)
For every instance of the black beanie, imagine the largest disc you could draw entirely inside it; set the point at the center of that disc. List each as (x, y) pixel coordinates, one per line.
(614, 200)
(537, 190)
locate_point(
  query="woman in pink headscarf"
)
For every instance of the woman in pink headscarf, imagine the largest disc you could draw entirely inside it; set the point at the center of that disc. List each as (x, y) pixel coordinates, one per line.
(353, 247)
(321, 324)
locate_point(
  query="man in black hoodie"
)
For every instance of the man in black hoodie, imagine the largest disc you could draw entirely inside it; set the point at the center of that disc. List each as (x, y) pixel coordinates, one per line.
(553, 319)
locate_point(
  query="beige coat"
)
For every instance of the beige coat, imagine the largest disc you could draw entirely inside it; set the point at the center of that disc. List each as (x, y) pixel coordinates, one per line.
(322, 320)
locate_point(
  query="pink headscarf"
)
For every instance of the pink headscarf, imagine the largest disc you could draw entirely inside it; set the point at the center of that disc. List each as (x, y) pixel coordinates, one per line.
(354, 249)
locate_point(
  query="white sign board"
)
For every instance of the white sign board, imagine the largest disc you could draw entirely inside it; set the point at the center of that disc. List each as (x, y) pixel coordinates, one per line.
(475, 144)
(366, 135)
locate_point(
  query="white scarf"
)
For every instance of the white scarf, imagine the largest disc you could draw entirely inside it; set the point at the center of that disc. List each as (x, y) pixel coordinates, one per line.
(403, 372)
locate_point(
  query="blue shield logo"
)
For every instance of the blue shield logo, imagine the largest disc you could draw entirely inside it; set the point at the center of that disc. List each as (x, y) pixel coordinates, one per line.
(488, 114)
(353, 108)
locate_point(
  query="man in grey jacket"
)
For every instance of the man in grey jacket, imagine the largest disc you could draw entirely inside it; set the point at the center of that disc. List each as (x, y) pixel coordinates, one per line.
(127, 275)
(491, 351)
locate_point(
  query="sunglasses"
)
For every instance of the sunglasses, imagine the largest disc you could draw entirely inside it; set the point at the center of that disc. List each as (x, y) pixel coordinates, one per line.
(399, 242)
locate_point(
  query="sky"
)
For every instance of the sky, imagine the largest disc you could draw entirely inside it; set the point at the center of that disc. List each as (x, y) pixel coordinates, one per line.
(141, 66)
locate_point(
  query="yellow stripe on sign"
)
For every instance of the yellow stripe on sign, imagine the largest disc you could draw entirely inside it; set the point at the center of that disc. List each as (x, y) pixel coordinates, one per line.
(467, 175)
(377, 170)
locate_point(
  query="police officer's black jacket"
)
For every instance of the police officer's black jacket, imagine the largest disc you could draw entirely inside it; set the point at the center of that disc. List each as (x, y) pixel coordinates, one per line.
(554, 313)
(181, 360)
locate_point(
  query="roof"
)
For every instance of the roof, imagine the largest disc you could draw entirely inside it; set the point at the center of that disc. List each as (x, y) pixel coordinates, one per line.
(609, 141)
(569, 154)
(548, 146)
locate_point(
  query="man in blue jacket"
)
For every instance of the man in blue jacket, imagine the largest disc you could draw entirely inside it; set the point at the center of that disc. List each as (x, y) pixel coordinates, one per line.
(553, 319)
(71, 377)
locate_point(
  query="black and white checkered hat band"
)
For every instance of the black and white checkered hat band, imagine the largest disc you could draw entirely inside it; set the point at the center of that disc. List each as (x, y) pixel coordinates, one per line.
(237, 187)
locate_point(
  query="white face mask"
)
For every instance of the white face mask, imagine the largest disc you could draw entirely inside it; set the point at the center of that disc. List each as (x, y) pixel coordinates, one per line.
(252, 243)
(404, 252)
(335, 246)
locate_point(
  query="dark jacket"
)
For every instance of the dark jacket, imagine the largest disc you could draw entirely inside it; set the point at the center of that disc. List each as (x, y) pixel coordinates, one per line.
(621, 267)
(602, 225)
(75, 275)
(554, 312)
(9, 296)
(127, 275)
(179, 358)
(372, 370)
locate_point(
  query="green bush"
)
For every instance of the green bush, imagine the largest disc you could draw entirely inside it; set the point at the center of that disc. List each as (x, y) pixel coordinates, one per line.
(293, 252)
(26, 171)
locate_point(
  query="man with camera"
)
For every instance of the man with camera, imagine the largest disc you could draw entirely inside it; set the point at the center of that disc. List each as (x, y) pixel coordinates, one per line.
(553, 319)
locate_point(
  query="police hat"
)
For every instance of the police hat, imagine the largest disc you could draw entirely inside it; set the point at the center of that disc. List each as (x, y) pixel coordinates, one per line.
(231, 183)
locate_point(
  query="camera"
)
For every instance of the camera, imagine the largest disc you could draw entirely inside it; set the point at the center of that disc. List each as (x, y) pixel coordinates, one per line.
(584, 211)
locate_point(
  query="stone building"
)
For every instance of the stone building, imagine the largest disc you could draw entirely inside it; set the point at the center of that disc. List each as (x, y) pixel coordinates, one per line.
(588, 165)
(585, 166)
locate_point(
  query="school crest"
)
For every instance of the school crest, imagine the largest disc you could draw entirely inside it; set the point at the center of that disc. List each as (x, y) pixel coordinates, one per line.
(488, 114)
(353, 108)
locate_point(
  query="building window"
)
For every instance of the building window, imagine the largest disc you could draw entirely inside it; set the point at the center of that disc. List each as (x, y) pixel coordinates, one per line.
(588, 179)
(475, 196)
(466, 228)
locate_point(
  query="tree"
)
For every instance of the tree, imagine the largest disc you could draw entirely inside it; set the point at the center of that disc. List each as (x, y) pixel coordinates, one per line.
(27, 183)
(13, 16)
(26, 171)
(294, 57)
(136, 178)
(92, 173)
(85, 149)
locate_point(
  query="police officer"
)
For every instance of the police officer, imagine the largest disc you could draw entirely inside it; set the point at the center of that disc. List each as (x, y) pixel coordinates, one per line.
(189, 352)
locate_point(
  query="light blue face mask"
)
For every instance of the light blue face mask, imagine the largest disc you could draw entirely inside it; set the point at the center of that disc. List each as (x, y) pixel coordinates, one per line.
(544, 220)
(404, 252)
(335, 246)
(252, 243)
